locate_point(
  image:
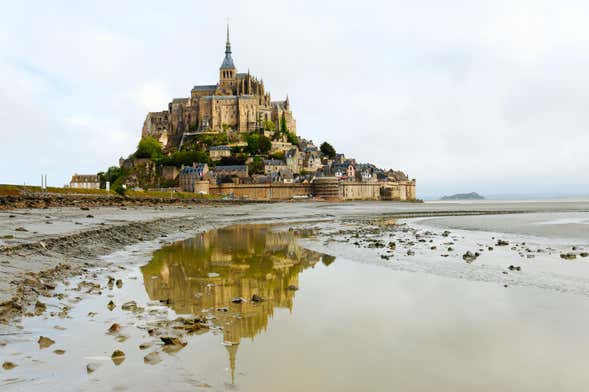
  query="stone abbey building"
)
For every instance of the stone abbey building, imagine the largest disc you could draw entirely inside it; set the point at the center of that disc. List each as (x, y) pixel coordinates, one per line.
(237, 103)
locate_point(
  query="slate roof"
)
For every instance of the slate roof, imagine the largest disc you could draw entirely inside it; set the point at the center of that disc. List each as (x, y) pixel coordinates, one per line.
(205, 87)
(230, 168)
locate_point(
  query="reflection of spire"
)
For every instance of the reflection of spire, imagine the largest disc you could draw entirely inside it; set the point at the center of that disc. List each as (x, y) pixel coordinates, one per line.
(232, 350)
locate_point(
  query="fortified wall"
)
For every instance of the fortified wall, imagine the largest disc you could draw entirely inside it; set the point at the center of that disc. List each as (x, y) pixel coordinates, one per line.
(326, 188)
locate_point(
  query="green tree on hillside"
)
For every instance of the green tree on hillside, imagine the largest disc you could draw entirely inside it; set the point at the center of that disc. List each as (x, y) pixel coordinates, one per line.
(149, 147)
(327, 150)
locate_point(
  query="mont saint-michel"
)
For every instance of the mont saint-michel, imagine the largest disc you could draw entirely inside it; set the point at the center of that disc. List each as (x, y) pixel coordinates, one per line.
(231, 139)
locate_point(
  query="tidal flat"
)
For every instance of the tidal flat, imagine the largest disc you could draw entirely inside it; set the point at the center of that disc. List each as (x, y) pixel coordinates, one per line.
(310, 296)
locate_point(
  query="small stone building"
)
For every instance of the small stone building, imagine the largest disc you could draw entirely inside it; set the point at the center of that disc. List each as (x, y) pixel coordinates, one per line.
(191, 175)
(218, 152)
(85, 181)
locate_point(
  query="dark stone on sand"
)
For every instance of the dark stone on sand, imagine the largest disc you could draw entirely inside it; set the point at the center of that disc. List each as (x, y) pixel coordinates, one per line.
(257, 298)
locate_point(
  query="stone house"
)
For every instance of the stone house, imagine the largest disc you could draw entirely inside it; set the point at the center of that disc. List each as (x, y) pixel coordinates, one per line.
(190, 175)
(294, 160)
(85, 181)
(218, 173)
(218, 152)
(312, 160)
(283, 175)
(273, 166)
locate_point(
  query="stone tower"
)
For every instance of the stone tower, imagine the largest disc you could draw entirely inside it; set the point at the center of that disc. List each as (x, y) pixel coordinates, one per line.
(227, 72)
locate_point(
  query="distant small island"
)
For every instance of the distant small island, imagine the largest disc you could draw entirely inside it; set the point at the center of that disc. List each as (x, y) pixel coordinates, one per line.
(464, 196)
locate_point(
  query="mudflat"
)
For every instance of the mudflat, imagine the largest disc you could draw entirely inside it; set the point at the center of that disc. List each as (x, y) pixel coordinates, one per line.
(297, 296)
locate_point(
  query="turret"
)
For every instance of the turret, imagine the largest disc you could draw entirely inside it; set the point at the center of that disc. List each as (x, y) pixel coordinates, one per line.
(227, 72)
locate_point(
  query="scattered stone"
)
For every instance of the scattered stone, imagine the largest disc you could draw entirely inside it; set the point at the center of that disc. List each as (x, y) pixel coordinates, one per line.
(111, 305)
(584, 254)
(89, 216)
(292, 287)
(490, 248)
(238, 300)
(59, 351)
(114, 328)
(119, 283)
(40, 307)
(257, 298)
(118, 357)
(8, 365)
(129, 306)
(469, 257)
(45, 342)
(568, 256)
(410, 253)
(502, 243)
(514, 268)
(91, 367)
(20, 229)
(172, 341)
(152, 358)
(446, 233)
(144, 346)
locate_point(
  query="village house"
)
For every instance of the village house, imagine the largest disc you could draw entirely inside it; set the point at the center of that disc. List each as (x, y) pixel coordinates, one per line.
(283, 175)
(190, 175)
(312, 160)
(218, 152)
(294, 160)
(85, 181)
(273, 166)
(219, 173)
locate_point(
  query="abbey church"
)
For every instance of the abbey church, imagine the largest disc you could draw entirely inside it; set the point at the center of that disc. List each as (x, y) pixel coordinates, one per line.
(237, 103)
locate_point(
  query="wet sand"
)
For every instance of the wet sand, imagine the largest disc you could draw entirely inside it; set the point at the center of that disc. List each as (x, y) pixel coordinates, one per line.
(364, 316)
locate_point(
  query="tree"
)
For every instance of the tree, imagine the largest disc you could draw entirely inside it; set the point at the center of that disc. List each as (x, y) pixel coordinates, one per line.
(264, 144)
(258, 144)
(149, 147)
(256, 166)
(253, 143)
(327, 150)
(283, 127)
(269, 126)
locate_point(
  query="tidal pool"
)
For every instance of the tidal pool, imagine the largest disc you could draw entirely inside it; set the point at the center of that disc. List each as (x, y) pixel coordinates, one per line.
(324, 324)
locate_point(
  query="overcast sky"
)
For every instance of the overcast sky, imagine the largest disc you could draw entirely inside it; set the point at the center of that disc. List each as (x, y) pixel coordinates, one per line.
(487, 96)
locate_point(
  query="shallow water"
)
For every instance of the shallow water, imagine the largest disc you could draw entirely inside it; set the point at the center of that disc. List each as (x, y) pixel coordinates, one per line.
(350, 326)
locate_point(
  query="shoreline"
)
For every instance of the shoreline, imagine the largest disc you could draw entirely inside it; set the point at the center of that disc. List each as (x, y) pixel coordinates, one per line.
(60, 242)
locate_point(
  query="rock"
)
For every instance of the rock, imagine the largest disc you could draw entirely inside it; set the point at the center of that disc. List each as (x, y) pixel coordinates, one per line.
(40, 307)
(568, 256)
(469, 257)
(446, 233)
(45, 342)
(119, 283)
(59, 352)
(129, 306)
(118, 357)
(20, 229)
(172, 341)
(410, 253)
(144, 346)
(257, 298)
(111, 305)
(84, 208)
(292, 287)
(89, 216)
(91, 367)
(114, 328)
(502, 243)
(584, 254)
(152, 358)
(238, 300)
(8, 365)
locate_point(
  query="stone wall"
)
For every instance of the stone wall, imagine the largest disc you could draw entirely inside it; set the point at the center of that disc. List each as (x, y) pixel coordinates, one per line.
(275, 191)
(326, 189)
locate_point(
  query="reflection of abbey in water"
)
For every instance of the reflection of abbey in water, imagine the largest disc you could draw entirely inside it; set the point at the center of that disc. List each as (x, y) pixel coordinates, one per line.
(208, 271)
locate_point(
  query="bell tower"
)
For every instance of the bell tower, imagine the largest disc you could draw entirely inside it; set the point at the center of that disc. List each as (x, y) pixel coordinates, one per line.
(227, 72)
